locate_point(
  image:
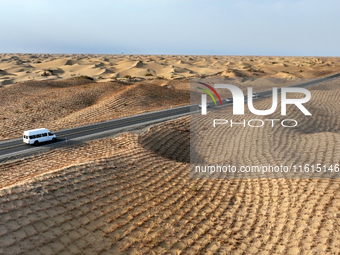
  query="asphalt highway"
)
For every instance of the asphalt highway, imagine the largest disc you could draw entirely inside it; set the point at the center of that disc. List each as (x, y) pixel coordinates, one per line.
(17, 145)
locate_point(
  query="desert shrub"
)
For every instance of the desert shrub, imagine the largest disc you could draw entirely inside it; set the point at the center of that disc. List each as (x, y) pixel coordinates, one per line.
(83, 77)
(148, 74)
(127, 76)
(44, 74)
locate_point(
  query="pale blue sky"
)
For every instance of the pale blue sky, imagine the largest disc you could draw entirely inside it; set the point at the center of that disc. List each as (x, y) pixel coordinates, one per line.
(228, 27)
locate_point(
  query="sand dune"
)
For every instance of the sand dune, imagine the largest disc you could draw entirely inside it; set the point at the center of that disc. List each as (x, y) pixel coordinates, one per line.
(132, 194)
(60, 104)
(70, 103)
(22, 67)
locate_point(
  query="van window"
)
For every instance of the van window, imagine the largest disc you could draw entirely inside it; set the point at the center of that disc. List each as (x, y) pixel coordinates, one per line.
(50, 134)
(38, 135)
(44, 134)
(33, 136)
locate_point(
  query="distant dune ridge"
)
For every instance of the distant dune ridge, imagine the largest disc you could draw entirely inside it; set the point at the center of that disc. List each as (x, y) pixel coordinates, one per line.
(23, 67)
(64, 91)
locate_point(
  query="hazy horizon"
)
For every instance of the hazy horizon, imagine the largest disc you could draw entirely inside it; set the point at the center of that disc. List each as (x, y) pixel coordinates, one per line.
(171, 27)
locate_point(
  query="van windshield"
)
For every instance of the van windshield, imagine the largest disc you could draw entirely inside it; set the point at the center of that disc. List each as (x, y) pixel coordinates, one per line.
(50, 134)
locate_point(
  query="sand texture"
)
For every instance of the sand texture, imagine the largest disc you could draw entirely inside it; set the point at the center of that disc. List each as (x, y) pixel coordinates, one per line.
(65, 91)
(23, 67)
(70, 103)
(132, 194)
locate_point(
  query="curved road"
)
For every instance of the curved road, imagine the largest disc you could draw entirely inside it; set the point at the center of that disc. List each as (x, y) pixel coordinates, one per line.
(16, 145)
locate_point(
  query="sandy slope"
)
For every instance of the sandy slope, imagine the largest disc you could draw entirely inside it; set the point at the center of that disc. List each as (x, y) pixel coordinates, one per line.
(132, 194)
(45, 93)
(23, 67)
(64, 104)
(128, 200)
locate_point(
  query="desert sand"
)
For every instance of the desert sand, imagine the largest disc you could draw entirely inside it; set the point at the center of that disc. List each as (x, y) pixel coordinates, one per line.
(24, 67)
(132, 194)
(70, 103)
(64, 91)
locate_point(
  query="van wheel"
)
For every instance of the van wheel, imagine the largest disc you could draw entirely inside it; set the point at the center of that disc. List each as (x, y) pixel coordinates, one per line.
(54, 139)
(36, 143)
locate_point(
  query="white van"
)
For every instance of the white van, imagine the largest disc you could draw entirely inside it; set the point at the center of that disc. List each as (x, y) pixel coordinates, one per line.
(36, 136)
